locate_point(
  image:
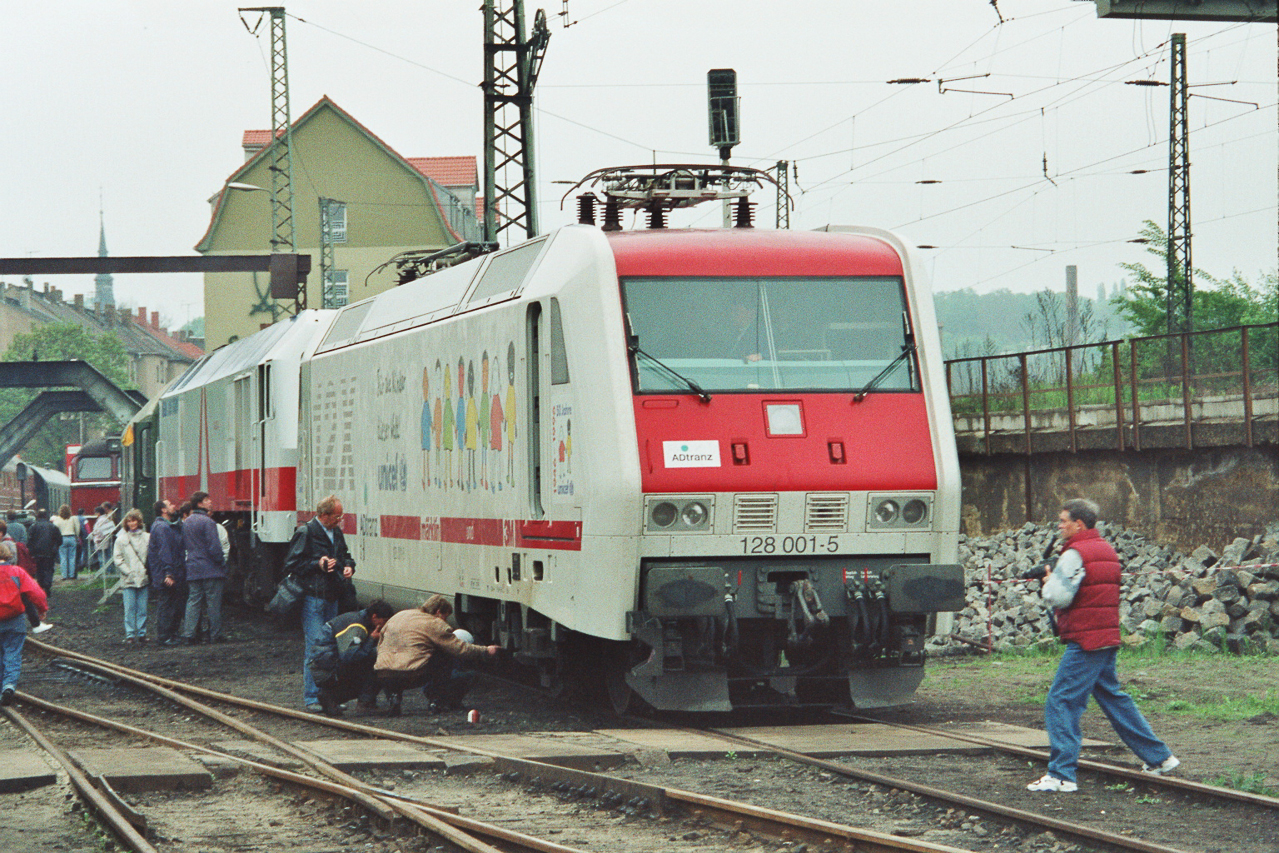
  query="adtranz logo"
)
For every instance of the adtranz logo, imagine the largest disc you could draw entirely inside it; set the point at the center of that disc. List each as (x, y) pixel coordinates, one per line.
(691, 454)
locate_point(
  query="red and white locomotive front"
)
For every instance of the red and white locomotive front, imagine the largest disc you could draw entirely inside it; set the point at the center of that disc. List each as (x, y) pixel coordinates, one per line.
(797, 467)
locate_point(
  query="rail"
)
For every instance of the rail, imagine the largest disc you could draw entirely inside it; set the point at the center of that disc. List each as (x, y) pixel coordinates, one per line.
(1183, 380)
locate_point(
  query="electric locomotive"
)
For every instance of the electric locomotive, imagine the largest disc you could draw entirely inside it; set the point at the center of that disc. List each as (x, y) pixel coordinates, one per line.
(94, 471)
(715, 468)
(709, 469)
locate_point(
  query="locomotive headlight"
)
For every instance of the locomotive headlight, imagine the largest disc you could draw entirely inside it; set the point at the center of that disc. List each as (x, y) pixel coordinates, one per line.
(663, 514)
(886, 512)
(695, 514)
(900, 512)
(670, 514)
(914, 511)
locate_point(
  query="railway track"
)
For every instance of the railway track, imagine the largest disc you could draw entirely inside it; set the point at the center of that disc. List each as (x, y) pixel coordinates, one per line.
(612, 799)
(600, 810)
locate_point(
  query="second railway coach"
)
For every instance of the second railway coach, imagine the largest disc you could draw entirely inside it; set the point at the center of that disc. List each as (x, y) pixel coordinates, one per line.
(229, 427)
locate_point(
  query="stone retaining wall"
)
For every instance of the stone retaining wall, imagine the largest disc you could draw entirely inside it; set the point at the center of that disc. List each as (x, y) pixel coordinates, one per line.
(1202, 600)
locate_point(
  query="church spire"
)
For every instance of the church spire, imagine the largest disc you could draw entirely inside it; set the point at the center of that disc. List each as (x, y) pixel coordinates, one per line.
(104, 292)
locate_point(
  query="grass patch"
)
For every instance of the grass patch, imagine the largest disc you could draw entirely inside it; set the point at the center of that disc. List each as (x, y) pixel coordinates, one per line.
(1160, 679)
(1227, 708)
(1251, 783)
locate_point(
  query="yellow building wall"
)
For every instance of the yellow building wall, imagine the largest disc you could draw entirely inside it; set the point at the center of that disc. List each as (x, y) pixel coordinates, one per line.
(389, 210)
(13, 322)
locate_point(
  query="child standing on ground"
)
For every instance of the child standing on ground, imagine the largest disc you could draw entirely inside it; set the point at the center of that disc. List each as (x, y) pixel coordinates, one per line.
(131, 561)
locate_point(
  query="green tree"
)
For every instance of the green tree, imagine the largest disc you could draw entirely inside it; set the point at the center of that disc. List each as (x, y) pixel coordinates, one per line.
(1217, 303)
(63, 342)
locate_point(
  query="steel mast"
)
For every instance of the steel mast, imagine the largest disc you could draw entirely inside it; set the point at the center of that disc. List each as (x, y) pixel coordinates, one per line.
(511, 66)
(1180, 293)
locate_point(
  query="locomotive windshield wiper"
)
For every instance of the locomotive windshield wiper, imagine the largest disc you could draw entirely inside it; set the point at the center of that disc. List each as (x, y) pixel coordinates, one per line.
(701, 392)
(879, 377)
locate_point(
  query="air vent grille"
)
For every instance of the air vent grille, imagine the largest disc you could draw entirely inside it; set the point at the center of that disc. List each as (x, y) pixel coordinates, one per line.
(755, 512)
(826, 513)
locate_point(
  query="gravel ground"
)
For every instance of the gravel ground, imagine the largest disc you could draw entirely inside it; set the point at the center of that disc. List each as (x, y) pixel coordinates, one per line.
(262, 661)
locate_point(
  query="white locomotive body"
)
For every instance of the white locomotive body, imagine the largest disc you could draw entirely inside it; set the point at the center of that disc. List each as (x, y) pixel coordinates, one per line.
(708, 468)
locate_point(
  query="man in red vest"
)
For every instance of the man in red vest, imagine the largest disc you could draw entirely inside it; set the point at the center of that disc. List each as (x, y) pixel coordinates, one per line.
(1083, 589)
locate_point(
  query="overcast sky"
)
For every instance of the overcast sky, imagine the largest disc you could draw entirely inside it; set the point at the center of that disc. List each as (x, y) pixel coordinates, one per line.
(143, 104)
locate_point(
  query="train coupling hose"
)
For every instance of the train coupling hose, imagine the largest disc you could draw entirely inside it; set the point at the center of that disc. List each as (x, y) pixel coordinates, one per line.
(809, 605)
(729, 647)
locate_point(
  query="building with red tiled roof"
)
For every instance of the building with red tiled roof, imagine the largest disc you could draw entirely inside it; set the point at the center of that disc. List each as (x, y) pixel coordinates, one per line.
(386, 204)
(156, 355)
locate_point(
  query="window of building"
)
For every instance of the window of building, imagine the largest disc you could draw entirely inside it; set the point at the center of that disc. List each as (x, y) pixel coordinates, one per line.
(336, 288)
(337, 221)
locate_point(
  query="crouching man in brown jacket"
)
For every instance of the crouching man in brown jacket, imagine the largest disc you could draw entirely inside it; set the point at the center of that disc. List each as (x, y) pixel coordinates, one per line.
(419, 649)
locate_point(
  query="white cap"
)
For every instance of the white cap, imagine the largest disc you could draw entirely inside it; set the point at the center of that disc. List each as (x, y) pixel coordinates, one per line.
(464, 635)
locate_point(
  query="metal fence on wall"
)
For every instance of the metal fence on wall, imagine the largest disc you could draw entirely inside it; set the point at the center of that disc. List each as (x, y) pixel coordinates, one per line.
(1121, 386)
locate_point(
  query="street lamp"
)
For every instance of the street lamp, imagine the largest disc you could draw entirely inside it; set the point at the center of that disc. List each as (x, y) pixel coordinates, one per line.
(284, 277)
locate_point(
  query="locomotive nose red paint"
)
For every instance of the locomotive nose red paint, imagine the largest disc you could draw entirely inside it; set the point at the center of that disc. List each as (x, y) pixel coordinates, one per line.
(882, 443)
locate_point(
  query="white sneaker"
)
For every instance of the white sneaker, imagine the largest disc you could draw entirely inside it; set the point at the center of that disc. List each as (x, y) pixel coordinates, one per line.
(42, 627)
(1052, 783)
(1170, 764)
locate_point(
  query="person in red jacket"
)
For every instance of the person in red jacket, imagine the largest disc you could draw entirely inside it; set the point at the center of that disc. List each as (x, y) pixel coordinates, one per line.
(13, 619)
(1083, 589)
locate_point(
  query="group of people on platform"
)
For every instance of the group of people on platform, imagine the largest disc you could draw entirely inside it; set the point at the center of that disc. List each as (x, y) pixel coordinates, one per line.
(350, 652)
(360, 652)
(73, 542)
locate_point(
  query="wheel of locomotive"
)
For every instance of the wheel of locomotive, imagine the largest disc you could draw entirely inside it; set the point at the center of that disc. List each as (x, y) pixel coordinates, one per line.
(621, 698)
(595, 670)
(618, 659)
(555, 677)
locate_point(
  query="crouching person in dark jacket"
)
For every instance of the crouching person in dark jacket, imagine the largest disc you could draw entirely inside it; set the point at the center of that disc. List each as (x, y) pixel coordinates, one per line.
(342, 662)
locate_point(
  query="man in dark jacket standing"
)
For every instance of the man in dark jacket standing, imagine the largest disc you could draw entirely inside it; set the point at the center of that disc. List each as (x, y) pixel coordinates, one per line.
(206, 571)
(166, 563)
(319, 558)
(44, 540)
(1083, 588)
(343, 661)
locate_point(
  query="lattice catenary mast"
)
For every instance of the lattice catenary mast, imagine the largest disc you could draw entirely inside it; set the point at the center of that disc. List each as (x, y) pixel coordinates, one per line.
(283, 238)
(1180, 293)
(511, 65)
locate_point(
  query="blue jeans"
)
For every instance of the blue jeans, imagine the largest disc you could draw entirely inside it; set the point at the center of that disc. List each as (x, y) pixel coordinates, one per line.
(1079, 675)
(204, 595)
(13, 635)
(67, 554)
(135, 611)
(315, 612)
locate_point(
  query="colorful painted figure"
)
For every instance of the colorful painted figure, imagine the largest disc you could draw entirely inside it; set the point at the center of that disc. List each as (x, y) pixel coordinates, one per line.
(460, 423)
(509, 409)
(472, 426)
(448, 432)
(437, 424)
(426, 425)
(484, 420)
(496, 428)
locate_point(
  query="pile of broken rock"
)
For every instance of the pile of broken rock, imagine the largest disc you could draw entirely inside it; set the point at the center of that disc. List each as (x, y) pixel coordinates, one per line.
(1204, 600)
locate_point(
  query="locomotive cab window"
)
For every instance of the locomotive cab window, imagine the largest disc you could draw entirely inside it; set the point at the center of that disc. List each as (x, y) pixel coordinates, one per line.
(559, 357)
(94, 468)
(744, 334)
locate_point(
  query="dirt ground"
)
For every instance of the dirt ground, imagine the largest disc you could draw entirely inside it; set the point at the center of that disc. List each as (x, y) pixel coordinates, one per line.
(262, 660)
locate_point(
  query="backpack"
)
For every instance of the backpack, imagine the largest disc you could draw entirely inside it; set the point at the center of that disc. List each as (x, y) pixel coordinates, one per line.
(11, 603)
